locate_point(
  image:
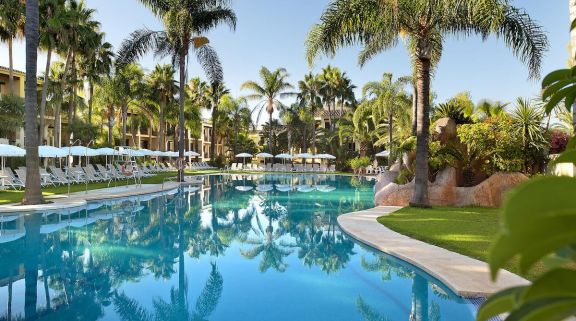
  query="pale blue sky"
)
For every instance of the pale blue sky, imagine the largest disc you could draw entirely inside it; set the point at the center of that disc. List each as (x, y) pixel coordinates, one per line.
(272, 33)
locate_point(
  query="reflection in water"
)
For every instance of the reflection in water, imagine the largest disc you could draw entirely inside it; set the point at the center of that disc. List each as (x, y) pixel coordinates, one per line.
(166, 258)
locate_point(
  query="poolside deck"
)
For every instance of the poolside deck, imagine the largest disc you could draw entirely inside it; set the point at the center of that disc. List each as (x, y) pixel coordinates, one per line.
(466, 276)
(78, 199)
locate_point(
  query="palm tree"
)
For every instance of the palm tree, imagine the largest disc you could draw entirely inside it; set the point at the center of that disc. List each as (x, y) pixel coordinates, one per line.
(96, 64)
(52, 20)
(80, 31)
(57, 96)
(11, 25)
(310, 97)
(289, 116)
(215, 92)
(184, 22)
(273, 87)
(198, 95)
(235, 118)
(33, 192)
(163, 85)
(378, 26)
(358, 126)
(107, 97)
(389, 98)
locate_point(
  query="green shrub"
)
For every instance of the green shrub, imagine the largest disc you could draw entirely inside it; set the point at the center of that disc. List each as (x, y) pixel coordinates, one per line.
(405, 176)
(359, 162)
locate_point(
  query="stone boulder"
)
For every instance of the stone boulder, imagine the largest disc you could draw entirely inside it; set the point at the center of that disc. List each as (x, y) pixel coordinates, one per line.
(489, 193)
(444, 191)
(445, 130)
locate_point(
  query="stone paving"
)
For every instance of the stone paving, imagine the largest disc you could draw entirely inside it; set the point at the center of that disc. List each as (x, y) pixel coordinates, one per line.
(78, 199)
(466, 276)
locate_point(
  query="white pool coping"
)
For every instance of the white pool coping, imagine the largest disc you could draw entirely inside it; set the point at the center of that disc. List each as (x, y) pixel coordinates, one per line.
(467, 277)
(79, 199)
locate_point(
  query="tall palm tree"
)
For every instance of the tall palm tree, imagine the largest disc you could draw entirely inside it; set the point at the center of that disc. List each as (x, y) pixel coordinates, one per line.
(130, 88)
(163, 85)
(389, 98)
(378, 25)
(97, 63)
(235, 118)
(80, 32)
(11, 27)
(310, 97)
(289, 116)
(52, 20)
(215, 92)
(273, 86)
(184, 22)
(33, 192)
(198, 97)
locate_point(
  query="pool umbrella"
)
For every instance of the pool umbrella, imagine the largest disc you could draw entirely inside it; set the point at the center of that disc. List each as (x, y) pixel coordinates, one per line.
(264, 156)
(304, 156)
(191, 154)
(80, 151)
(244, 156)
(12, 236)
(383, 154)
(10, 151)
(51, 152)
(283, 157)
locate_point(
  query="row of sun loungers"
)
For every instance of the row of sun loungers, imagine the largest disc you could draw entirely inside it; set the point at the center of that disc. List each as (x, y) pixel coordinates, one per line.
(283, 167)
(54, 176)
(199, 166)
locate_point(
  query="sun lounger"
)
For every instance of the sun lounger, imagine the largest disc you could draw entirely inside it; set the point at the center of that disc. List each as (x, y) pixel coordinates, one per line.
(332, 168)
(10, 180)
(316, 168)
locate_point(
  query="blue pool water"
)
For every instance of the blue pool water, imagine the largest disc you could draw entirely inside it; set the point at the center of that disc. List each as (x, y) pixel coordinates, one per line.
(235, 248)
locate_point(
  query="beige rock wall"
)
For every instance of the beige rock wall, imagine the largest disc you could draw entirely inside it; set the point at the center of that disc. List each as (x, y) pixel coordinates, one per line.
(444, 191)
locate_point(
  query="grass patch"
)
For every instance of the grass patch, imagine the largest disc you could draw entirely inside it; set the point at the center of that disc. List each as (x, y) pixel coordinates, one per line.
(11, 196)
(468, 231)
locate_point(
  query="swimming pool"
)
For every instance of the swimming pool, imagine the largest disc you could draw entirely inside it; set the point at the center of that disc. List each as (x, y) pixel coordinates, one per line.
(238, 247)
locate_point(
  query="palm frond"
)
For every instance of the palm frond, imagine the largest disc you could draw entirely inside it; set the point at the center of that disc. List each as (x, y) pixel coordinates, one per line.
(208, 59)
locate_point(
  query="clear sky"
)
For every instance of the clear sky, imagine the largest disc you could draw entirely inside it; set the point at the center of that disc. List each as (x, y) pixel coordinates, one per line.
(272, 33)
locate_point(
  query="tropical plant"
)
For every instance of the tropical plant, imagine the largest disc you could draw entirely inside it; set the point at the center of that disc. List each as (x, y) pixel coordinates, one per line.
(486, 109)
(52, 20)
(388, 99)
(377, 25)
(337, 89)
(310, 98)
(215, 92)
(359, 163)
(184, 22)
(358, 127)
(12, 111)
(289, 116)
(163, 86)
(11, 27)
(273, 86)
(96, 63)
(32, 190)
(528, 120)
(235, 119)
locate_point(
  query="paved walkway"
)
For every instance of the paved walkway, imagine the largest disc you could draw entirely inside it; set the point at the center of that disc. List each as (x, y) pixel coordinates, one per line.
(465, 276)
(78, 199)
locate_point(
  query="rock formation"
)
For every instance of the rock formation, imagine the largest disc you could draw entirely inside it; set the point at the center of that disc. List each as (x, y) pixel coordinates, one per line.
(445, 192)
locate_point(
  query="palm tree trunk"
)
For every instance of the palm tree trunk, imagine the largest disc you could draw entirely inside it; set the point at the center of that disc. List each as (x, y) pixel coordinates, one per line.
(270, 133)
(414, 110)
(57, 125)
(289, 140)
(33, 192)
(124, 121)
(110, 124)
(420, 195)
(390, 120)
(181, 114)
(10, 67)
(161, 133)
(90, 102)
(59, 105)
(213, 133)
(313, 136)
(71, 103)
(44, 94)
(419, 311)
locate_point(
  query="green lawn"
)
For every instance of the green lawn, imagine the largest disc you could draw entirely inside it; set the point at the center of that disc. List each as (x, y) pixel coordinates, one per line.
(468, 231)
(11, 196)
